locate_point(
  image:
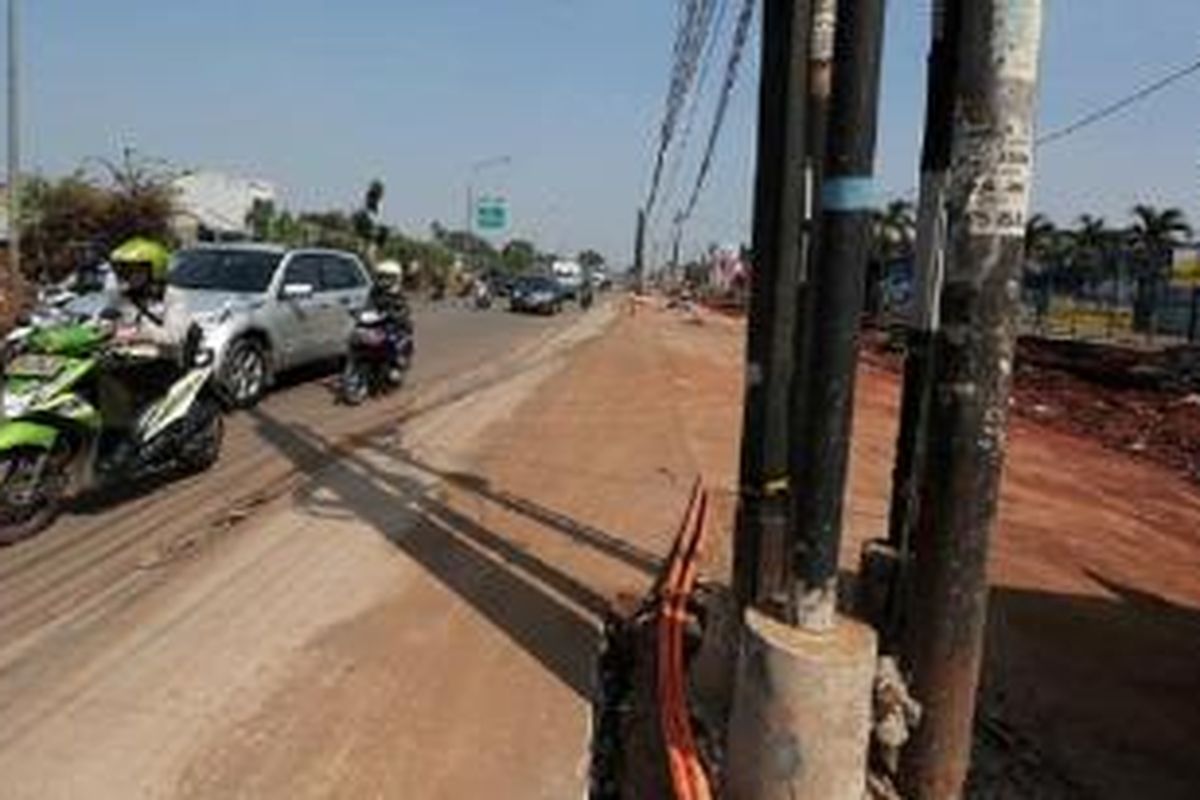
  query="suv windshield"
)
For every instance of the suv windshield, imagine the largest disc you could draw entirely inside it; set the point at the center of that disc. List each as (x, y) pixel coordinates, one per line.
(247, 271)
(536, 284)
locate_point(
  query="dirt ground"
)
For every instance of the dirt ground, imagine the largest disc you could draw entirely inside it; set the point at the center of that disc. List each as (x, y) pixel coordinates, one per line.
(1094, 635)
(395, 560)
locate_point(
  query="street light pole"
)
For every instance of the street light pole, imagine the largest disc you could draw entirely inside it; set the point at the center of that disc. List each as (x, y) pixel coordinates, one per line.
(14, 144)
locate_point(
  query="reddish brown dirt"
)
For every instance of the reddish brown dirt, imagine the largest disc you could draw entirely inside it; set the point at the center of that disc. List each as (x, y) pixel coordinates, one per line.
(1142, 403)
(1094, 635)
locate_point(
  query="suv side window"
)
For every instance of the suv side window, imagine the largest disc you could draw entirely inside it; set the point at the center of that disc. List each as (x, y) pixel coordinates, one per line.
(304, 269)
(339, 273)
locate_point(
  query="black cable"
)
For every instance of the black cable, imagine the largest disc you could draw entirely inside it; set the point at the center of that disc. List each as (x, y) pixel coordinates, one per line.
(1107, 111)
(681, 149)
(741, 35)
(695, 24)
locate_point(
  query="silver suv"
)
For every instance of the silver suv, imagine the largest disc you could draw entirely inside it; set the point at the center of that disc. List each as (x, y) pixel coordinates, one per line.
(265, 309)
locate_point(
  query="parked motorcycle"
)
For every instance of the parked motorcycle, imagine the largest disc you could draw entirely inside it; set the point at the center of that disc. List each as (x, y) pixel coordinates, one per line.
(379, 356)
(79, 413)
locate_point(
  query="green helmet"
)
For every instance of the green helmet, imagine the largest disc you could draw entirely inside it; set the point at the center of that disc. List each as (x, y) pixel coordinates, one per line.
(140, 250)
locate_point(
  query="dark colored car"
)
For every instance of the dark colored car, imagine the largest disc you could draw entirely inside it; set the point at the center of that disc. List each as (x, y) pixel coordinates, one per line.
(540, 294)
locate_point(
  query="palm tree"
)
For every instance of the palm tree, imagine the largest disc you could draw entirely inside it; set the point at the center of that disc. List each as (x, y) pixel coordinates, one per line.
(1042, 257)
(893, 234)
(374, 197)
(1152, 240)
(1040, 231)
(893, 231)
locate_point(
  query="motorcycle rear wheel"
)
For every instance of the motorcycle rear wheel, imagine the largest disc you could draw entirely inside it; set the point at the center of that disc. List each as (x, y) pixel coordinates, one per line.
(26, 510)
(203, 449)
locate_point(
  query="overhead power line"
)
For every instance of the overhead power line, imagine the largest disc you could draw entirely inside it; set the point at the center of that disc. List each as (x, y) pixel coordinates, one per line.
(1120, 105)
(667, 193)
(695, 23)
(741, 35)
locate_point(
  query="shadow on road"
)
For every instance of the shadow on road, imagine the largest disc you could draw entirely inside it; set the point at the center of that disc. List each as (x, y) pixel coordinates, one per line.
(575, 530)
(547, 613)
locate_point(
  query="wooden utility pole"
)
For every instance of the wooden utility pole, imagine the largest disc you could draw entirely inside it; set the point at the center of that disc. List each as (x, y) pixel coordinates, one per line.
(762, 569)
(987, 203)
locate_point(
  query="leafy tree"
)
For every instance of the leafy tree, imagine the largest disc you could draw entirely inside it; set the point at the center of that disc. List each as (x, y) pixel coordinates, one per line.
(363, 224)
(590, 259)
(1152, 239)
(76, 219)
(518, 256)
(893, 231)
(262, 220)
(1091, 243)
(373, 200)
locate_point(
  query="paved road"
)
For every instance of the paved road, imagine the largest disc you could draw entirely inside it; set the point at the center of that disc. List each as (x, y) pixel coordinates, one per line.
(105, 550)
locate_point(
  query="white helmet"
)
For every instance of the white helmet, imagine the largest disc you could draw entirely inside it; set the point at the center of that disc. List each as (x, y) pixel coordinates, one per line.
(390, 270)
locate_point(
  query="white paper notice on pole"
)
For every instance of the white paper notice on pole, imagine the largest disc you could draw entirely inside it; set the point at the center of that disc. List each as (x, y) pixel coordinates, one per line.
(998, 203)
(824, 25)
(1017, 27)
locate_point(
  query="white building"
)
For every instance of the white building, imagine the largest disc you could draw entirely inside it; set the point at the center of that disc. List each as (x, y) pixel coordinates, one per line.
(212, 205)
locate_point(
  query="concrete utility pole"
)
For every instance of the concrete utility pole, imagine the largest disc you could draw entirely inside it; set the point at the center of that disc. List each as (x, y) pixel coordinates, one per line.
(14, 144)
(762, 574)
(929, 271)
(839, 284)
(987, 204)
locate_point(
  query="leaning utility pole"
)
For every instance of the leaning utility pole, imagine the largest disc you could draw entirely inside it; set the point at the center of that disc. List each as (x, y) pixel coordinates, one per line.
(839, 283)
(928, 275)
(639, 252)
(14, 144)
(762, 575)
(987, 204)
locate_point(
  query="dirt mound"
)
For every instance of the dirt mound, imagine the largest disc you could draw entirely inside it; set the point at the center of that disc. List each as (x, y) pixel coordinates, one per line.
(1138, 401)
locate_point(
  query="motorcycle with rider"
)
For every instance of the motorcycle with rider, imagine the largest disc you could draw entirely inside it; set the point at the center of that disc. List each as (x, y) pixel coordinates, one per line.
(119, 399)
(380, 351)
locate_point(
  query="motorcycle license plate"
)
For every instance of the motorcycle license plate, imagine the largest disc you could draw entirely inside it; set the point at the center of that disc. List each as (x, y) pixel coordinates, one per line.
(35, 366)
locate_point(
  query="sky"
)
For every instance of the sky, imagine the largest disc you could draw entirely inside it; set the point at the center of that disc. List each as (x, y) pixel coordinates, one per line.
(321, 96)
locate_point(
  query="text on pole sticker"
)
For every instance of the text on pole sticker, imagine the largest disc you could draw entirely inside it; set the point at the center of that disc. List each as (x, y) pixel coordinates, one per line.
(1001, 172)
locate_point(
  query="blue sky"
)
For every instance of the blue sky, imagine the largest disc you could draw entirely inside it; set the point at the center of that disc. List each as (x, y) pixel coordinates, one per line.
(320, 96)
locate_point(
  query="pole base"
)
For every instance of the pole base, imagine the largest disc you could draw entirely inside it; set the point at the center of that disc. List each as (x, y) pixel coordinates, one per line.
(801, 719)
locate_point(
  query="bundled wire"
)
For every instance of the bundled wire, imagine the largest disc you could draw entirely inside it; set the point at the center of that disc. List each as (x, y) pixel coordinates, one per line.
(688, 779)
(741, 34)
(695, 25)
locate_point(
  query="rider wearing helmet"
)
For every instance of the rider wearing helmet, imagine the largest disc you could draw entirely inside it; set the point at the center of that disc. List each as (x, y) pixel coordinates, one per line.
(141, 334)
(140, 265)
(387, 297)
(387, 293)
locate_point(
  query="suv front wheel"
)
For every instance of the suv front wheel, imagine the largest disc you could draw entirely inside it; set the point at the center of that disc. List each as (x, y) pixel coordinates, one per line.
(244, 374)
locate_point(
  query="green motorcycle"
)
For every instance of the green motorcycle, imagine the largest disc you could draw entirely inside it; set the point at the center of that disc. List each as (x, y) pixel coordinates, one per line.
(79, 413)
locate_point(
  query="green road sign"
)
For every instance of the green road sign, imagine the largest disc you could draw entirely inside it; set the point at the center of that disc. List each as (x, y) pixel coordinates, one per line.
(491, 214)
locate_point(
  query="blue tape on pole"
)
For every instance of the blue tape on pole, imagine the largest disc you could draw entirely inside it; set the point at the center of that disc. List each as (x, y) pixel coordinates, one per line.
(848, 194)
